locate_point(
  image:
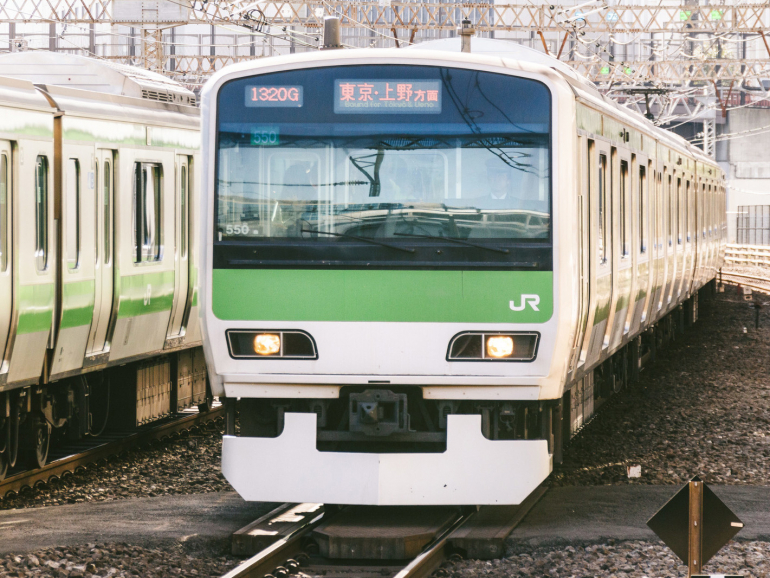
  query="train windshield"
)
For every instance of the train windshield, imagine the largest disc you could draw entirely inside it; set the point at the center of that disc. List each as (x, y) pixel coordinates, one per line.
(390, 165)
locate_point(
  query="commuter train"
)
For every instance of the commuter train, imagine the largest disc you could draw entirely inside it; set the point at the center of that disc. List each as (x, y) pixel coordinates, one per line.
(424, 269)
(98, 248)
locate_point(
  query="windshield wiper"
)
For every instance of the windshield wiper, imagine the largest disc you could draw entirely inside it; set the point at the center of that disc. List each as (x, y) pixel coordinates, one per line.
(453, 240)
(365, 239)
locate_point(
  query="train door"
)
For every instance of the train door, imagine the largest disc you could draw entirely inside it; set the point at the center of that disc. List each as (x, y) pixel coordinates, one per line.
(600, 245)
(641, 211)
(104, 262)
(585, 152)
(6, 285)
(181, 251)
(622, 264)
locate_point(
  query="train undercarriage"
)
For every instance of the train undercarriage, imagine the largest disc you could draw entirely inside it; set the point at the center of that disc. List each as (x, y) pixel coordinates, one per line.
(124, 397)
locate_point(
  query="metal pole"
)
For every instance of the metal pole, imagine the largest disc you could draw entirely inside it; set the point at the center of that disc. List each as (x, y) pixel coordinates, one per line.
(695, 537)
(11, 36)
(52, 37)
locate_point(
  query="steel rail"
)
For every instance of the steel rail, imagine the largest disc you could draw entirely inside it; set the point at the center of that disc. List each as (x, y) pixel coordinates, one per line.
(57, 468)
(434, 556)
(274, 556)
(749, 281)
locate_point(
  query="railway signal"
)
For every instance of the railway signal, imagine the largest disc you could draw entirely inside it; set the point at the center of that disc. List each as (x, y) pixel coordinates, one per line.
(695, 524)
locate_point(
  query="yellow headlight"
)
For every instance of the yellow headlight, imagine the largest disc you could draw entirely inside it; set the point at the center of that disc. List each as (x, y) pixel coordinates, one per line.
(267, 344)
(499, 346)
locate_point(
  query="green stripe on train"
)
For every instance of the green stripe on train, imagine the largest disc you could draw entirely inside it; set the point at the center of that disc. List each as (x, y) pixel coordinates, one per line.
(354, 295)
(77, 304)
(35, 308)
(146, 293)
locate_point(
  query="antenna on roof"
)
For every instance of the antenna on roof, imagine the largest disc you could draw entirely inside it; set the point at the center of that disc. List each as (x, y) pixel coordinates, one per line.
(466, 32)
(332, 39)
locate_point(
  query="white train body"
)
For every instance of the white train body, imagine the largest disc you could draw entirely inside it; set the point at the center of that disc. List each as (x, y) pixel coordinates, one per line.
(384, 388)
(99, 174)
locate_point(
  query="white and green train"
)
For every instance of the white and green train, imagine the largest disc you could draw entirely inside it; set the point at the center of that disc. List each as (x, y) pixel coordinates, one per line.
(424, 269)
(98, 245)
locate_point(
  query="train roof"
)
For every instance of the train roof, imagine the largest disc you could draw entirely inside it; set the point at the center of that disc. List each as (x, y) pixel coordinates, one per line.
(22, 94)
(92, 74)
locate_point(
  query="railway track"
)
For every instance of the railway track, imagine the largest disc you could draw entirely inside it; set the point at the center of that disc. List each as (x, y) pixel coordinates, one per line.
(103, 448)
(295, 555)
(761, 284)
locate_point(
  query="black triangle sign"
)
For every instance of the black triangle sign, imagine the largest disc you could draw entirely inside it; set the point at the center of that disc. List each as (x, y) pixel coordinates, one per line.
(672, 523)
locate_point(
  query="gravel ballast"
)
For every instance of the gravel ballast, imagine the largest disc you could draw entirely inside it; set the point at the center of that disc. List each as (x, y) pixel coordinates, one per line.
(188, 465)
(122, 561)
(632, 559)
(703, 408)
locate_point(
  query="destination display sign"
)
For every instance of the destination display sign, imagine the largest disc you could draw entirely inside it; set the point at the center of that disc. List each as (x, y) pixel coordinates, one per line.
(387, 96)
(274, 96)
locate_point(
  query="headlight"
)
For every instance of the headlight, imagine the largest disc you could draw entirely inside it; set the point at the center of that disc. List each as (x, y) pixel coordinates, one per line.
(481, 346)
(270, 344)
(499, 345)
(267, 344)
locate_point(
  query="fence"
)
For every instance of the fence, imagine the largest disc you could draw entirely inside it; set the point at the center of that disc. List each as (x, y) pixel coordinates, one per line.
(753, 225)
(748, 255)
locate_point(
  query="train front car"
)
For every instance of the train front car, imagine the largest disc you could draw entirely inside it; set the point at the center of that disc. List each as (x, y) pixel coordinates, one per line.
(382, 274)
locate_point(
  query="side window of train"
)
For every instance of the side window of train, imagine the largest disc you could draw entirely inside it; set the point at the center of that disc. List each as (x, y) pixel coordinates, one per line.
(41, 213)
(624, 191)
(5, 185)
(602, 209)
(670, 212)
(642, 210)
(677, 213)
(701, 206)
(183, 209)
(107, 190)
(148, 179)
(72, 214)
(687, 212)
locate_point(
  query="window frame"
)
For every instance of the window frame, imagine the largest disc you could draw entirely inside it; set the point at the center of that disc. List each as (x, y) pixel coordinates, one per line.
(72, 233)
(6, 175)
(642, 208)
(144, 251)
(623, 194)
(41, 212)
(107, 186)
(602, 241)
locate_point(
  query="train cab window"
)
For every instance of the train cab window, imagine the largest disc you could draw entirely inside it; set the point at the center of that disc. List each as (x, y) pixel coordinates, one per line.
(5, 183)
(602, 241)
(72, 213)
(624, 191)
(383, 165)
(41, 213)
(148, 179)
(642, 210)
(107, 190)
(183, 211)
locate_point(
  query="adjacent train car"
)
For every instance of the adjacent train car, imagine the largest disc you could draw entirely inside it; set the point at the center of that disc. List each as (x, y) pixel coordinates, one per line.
(424, 269)
(98, 250)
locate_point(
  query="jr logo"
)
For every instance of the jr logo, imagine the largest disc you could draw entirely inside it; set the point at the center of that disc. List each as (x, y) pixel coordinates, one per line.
(533, 301)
